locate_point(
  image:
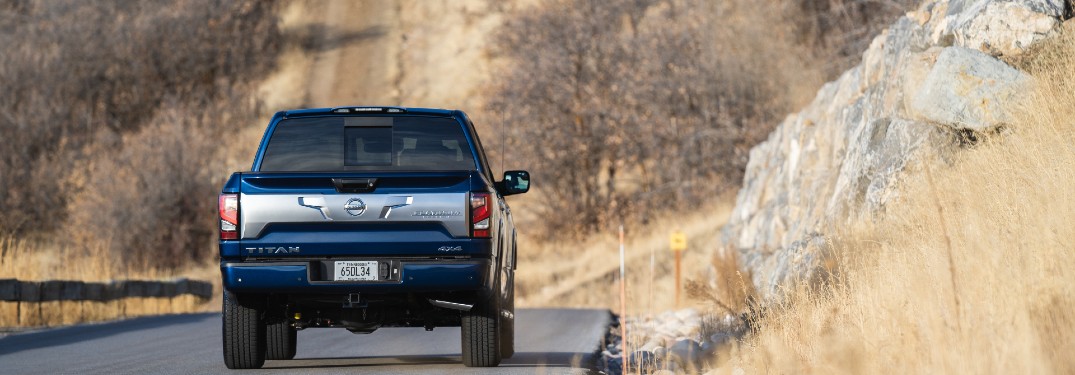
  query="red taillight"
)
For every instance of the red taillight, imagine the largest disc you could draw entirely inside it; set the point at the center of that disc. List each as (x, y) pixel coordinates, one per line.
(479, 214)
(229, 216)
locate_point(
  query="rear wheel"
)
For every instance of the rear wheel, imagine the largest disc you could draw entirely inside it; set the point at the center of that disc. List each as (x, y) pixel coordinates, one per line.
(280, 340)
(481, 333)
(244, 332)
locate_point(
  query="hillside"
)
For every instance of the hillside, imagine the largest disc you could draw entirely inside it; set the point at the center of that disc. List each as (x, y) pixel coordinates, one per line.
(933, 85)
(904, 215)
(916, 214)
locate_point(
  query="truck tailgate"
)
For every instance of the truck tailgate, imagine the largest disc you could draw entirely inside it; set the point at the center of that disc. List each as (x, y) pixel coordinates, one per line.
(356, 214)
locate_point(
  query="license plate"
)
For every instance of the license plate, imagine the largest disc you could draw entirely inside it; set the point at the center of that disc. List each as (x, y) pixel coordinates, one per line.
(355, 271)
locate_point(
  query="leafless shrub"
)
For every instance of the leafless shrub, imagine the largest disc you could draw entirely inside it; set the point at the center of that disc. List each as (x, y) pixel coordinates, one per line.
(621, 108)
(122, 105)
(838, 31)
(733, 292)
(150, 195)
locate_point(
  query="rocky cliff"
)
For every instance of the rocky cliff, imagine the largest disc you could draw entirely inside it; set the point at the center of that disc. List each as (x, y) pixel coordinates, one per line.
(926, 88)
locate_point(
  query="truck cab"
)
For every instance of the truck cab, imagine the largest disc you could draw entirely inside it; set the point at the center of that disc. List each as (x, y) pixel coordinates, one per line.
(362, 218)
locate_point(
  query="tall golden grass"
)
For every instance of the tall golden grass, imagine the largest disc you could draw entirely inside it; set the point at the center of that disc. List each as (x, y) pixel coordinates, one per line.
(1002, 300)
(44, 259)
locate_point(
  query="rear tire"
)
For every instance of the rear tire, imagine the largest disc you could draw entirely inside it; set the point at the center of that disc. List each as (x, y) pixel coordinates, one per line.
(244, 332)
(280, 342)
(481, 333)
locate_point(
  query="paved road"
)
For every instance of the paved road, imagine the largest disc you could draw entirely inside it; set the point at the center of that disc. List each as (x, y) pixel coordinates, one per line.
(548, 341)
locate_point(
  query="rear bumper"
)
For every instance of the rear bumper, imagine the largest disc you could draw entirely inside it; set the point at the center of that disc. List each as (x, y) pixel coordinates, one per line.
(415, 277)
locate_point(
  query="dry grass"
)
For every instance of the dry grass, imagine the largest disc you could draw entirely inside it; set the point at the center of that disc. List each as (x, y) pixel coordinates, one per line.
(43, 259)
(584, 273)
(1001, 302)
(60, 313)
(38, 260)
(732, 290)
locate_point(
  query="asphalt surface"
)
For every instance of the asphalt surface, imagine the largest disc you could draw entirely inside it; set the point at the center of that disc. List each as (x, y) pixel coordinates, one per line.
(548, 341)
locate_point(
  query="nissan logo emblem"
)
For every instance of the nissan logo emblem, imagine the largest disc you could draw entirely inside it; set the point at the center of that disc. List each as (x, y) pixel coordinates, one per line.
(355, 206)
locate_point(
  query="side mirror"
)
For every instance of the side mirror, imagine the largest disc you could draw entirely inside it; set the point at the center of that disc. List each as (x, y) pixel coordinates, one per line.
(515, 182)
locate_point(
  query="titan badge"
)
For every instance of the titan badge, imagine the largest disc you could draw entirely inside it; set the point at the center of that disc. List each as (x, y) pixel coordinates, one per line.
(274, 250)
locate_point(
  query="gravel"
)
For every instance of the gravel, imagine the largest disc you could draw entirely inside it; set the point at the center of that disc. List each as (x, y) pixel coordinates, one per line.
(673, 341)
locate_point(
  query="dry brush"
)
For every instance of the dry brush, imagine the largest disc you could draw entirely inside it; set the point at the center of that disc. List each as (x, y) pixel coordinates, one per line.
(970, 273)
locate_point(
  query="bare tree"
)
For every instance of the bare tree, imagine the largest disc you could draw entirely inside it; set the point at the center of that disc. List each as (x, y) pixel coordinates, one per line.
(89, 118)
(623, 108)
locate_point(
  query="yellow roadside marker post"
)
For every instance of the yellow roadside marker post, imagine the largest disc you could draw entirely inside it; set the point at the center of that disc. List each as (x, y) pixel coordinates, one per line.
(678, 243)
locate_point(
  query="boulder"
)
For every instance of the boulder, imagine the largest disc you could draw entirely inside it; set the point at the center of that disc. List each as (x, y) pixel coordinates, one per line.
(614, 365)
(687, 329)
(720, 338)
(688, 353)
(650, 345)
(687, 315)
(968, 89)
(1001, 27)
(659, 352)
(644, 360)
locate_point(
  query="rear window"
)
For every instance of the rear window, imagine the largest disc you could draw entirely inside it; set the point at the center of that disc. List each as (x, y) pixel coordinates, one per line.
(327, 144)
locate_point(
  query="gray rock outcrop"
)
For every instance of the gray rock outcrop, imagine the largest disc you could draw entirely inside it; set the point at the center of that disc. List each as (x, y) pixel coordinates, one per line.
(967, 89)
(923, 85)
(999, 27)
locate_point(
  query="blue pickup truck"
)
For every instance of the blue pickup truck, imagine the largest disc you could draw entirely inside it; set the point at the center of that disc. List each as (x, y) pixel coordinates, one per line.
(362, 218)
